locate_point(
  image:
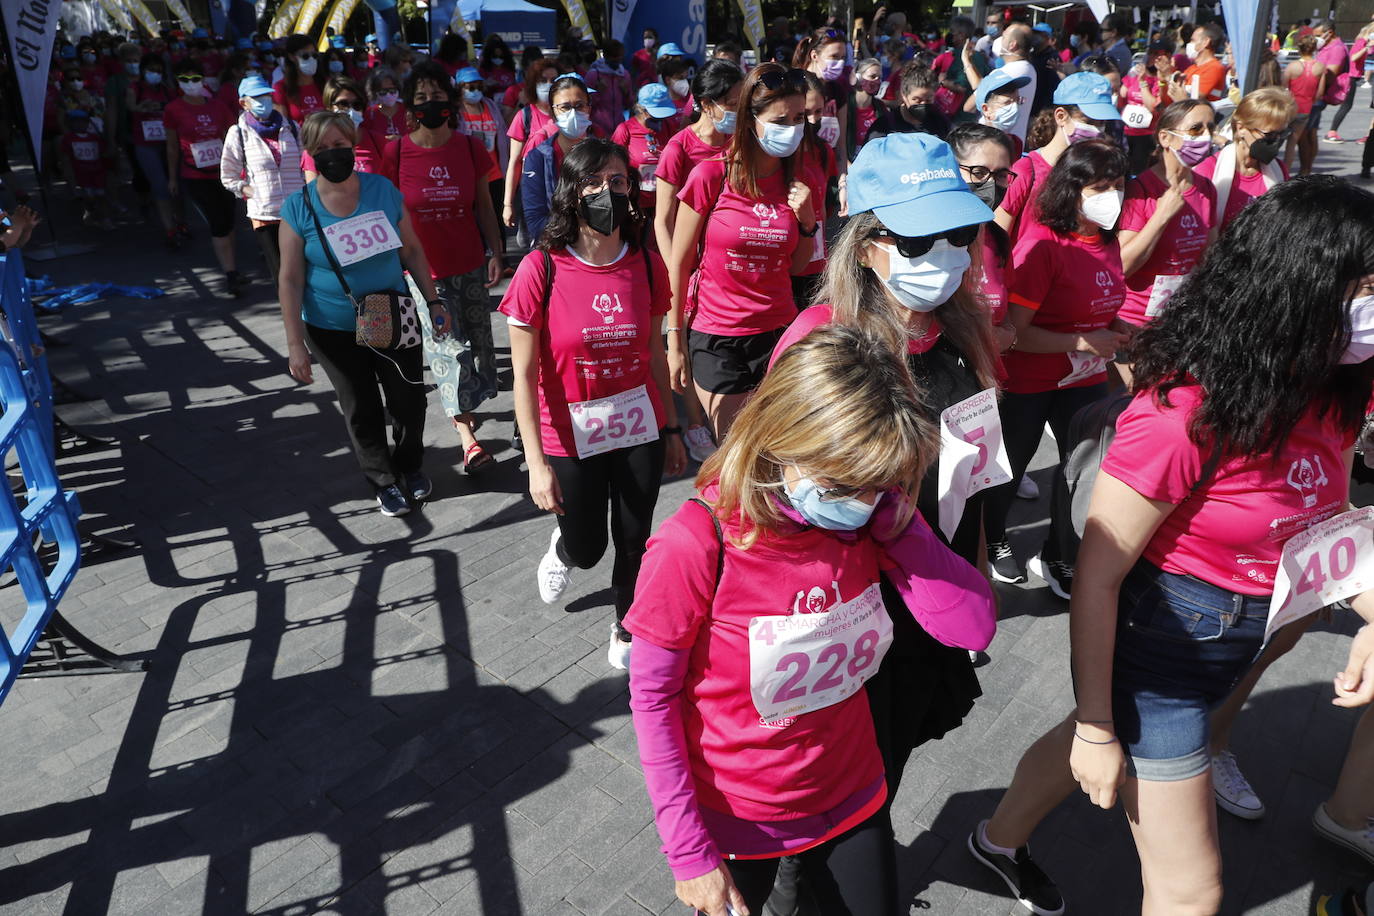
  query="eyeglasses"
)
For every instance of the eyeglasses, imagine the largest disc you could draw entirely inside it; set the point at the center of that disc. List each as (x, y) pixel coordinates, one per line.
(565, 107)
(774, 80)
(977, 174)
(189, 78)
(345, 104)
(1197, 130)
(595, 184)
(915, 246)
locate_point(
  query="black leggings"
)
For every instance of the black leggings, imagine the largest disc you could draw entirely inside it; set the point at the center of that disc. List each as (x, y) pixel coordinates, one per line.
(627, 478)
(1023, 419)
(360, 375)
(1345, 106)
(271, 249)
(855, 874)
(215, 203)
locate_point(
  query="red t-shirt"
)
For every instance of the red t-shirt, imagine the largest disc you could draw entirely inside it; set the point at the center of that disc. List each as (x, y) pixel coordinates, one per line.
(993, 279)
(863, 120)
(743, 284)
(1232, 531)
(440, 189)
(681, 154)
(1031, 173)
(84, 153)
(599, 335)
(1074, 284)
(1179, 248)
(200, 131)
(538, 121)
(148, 127)
(742, 765)
(308, 99)
(1243, 188)
(646, 151)
(511, 97)
(383, 127)
(817, 177)
(483, 126)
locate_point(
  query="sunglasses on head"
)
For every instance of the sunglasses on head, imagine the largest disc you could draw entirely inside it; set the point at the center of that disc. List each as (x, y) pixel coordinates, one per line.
(915, 246)
(774, 80)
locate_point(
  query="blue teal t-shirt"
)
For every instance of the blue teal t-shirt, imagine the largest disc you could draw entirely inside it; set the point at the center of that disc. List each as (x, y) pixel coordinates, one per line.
(323, 303)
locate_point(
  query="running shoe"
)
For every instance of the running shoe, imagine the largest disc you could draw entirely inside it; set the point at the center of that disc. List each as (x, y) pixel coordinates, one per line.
(233, 283)
(1333, 137)
(1359, 841)
(1027, 488)
(1003, 564)
(618, 652)
(554, 575)
(1353, 901)
(1032, 888)
(1232, 790)
(1057, 574)
(392, 501)
(699, 444)
(418, 486)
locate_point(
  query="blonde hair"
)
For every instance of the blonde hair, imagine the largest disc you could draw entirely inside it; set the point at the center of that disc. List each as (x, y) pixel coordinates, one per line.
(859, 299)
(1272, 105)
(836, 404)
(318, 124)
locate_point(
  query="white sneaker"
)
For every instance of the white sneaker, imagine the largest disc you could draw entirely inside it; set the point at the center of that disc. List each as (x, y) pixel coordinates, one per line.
(618, 652)
(1360, 842)
(1232, 789)
(699, 444)
(554, 575)
(1027, 489)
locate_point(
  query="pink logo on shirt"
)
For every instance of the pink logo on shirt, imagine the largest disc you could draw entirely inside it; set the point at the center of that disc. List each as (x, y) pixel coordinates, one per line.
(815, 601)
(1104, 279)
(607, 307)
(765, 213)
(1188, 221)
(1305, 478)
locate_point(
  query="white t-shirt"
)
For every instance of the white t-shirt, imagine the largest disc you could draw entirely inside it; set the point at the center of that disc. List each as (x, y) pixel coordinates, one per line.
(1025, 95)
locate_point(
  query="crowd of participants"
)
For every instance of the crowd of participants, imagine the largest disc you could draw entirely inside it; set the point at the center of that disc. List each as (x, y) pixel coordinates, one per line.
(856, 281)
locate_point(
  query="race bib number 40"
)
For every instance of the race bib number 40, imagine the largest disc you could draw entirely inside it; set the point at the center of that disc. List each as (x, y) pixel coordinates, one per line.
(973, 456)
(801, 662)
(619, 421)
(360, 237)
(1329, 562)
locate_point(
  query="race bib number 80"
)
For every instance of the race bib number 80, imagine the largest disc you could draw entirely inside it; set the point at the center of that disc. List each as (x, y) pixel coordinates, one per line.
(1329, 562)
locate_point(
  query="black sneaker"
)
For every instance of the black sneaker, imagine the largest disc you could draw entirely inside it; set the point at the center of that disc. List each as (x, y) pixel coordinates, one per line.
(233, 283)
(1057, 574)
(392, 501)
(1003, 564)
(1031, 886)
(418, 486)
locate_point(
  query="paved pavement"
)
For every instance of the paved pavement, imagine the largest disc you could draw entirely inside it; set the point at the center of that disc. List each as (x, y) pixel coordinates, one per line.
(352, 714)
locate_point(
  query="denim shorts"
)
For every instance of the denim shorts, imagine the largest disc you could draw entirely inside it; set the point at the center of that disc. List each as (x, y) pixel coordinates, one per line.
(1181, 646)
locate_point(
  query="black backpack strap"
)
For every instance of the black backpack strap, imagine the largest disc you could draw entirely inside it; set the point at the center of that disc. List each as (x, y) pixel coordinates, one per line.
(720, 537)
(648, 269)
(548, 280)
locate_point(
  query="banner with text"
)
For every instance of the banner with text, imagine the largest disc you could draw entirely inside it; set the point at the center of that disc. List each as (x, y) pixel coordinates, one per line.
(753, 21)
(681, 23)
(31, 26)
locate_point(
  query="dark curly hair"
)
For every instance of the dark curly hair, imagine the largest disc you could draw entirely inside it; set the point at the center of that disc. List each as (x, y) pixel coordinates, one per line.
(428, 71)
(1081, 165)
(588, 157)
(1262, 322)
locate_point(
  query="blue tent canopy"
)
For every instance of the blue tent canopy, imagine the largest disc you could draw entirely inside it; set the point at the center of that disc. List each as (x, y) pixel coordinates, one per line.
(517, 22)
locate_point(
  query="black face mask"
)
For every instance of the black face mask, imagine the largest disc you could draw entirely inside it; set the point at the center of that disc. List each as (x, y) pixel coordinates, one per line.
(605, 211)
(989, 192)
(334, 165)
(918, 111)
(1266, 150)
(434, 113)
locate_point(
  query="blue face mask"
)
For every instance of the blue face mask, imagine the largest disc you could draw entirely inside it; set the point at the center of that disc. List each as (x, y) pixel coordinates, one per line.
(260, 107)
(846, 514)
(726, 124)
(781, 140)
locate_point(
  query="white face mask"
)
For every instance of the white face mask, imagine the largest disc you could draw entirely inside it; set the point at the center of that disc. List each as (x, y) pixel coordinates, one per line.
(1361, 331)
(924, 284)
(680, 87)
(308, 65)
(1190, 49)
(573, 123)
(1103, 209)
(541, 91)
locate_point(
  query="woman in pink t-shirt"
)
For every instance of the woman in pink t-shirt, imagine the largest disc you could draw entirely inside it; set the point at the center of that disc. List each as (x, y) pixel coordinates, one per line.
(1168, 218)
(592, 400)
(300, 91)
(442, 175)
(747, 225)
(534, 114)
(385, 118)
(644, 134)
(1247, 167)
(757, 619)
(1065, 290)
(985, 156)
(1240, 437)
(715, 90)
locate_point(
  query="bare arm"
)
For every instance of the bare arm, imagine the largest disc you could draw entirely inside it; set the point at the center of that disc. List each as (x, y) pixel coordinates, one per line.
(524, 358)
(665, 212)
(490, 228)
(1031, 338)
(1138, 245)
(173, 146)
(686, 236)
(517, 148)
(675, 457)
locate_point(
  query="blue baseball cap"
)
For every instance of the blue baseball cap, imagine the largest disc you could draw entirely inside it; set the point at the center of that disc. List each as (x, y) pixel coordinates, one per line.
(669, 48)
(912, 184)
(1043, 27)
(467, 75)
(654, 98)
(998, 79)
(1090, 93)
(252, 86)
(336, 41)
(370, 38)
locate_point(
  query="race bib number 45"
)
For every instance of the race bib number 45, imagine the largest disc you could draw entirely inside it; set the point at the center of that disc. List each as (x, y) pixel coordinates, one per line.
(360, 237)
(1329, 562)
(801, 662)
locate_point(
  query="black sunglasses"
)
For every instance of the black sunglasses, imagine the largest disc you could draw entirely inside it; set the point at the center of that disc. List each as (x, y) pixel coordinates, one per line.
(774, 80)
(915, 246)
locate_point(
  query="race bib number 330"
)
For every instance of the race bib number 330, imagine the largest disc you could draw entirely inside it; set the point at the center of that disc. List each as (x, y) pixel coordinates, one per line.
(799, 663)
(360, 237)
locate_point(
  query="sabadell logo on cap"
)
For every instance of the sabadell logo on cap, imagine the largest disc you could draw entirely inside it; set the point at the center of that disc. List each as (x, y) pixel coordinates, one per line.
(927, 175)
